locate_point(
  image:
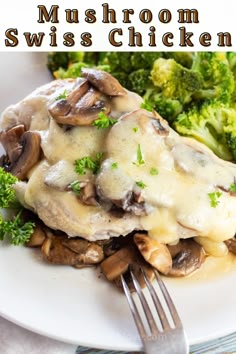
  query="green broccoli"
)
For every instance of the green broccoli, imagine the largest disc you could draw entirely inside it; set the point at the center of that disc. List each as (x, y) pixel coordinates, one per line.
(218, 79)
(72, 71)
(117, 61)
(143, 60)
(175, 81)
(168, 108)
(231, 56)
(139, 80)
(62, 60)
(123, 78)
(183, 58)
(213, 124)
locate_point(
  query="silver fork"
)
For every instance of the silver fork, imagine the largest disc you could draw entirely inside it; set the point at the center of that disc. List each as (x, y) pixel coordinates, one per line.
(164, 337)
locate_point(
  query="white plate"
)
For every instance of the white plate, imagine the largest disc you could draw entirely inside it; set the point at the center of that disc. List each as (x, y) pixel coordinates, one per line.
(78, 306)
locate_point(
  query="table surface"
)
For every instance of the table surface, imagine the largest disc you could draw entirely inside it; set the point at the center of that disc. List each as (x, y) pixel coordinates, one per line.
(14, 339)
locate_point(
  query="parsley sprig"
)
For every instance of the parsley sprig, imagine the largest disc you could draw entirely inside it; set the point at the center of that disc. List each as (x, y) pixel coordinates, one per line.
(62, 96)
(15, 228)
(7, 193)
(140, 160)
(18, 231)
(103, 121)
(75, 186)
(141, 184)
(154, 171)
(114, 165)
(214, 198)
(88, 163)
(232, 188)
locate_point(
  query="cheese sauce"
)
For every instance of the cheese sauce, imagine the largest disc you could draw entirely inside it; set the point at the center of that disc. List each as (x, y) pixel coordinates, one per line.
(178, 195)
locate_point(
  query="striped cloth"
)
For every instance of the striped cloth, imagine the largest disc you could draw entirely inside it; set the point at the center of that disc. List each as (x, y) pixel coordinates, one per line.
(17, 340)
(223, 345)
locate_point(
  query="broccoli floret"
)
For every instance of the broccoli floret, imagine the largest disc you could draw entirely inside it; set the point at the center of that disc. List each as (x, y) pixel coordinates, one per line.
(91, 58)
(76, 57)
(231, 56)
(213, 124)
(168, 108)
(73, 71)
(143, 60)
(218, 79)
(122, 78)
(230, 131)
(139, 80)
(57, 60)
(183, 58)
(117, 61)
(174, 81)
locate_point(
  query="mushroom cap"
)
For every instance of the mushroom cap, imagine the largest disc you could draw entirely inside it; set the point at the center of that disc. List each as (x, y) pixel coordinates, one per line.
(103, 81)
(59, 249)
(10, 140)
(30, 154)
(187, 256)
(154, 252)
(231, 244)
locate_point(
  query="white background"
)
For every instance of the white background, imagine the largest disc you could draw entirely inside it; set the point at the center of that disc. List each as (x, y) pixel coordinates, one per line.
(213, 18)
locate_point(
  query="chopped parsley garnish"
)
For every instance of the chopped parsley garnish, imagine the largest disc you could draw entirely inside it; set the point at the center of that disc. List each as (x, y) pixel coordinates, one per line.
(75, 186)
(232, 188)
(214, 198)
(140, 160)
(146, 105)
(62, 96)
(103, 121)
(88, 163)
(141, 184)
(135, 129)
(114, 165)
(154, 171)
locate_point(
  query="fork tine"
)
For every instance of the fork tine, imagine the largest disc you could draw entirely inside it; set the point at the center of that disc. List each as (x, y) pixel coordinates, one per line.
(168, 300)
(156, 301)
(146, 308)
(133, 309)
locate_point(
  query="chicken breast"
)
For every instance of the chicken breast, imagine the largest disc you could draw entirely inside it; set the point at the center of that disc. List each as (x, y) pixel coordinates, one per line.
(47, 189)
(150, 178)
(176, 186)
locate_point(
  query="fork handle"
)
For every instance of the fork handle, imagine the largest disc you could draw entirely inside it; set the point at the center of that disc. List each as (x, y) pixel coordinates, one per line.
(165, 347)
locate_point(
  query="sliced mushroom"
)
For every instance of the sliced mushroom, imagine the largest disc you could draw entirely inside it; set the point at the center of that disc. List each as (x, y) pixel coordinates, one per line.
(90, 252)
(231, 244)
(187, 256)
(83, 112)
(4, 161)
(103, 81)
(155, 253)
(159, 128)
(118, 263)
(81, 87)
(37, 238)
(62, 107)
(10, 140)
(132, 202)
(61, 250)
(88, 194)
(30, 154)
(136, 269)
